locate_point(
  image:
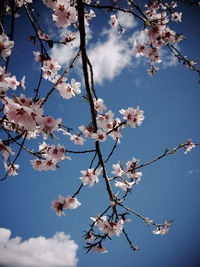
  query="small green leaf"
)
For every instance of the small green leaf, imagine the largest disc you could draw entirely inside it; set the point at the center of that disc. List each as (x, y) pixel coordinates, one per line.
(147, 23)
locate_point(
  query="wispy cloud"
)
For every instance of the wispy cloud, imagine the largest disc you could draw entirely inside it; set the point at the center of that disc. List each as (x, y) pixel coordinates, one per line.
(57, 251)
(65, 54)
(126, 20)
(110, 57)
(112, 52)
(168, 59)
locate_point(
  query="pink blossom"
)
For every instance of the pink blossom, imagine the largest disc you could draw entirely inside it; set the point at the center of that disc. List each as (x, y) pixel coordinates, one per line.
(50, 3)
(90, 176)
(49, 164)
(38, 56)
(37, 164)
(20, 3)
(23, 112)
(117, 169)
(133, 116)
(44, 36)
(22, 83)
(176, 16)
(161, 230)
(75, 86)
(100, 249)
(87, 131)
(140, 49)
(112, 203)
(173, 4)
(59, 205)
(107, 227)
(67, 90)
(72, 202)
(124, 184)
(51, 156)
(189, 146)
(5, 45)
(115, 134)
(49, 124)
(113, 21)
(67, 37)
(5, 150)
(64, 15)
(50, 68)
(78, 140)
(99, 105)
(13, 83)
(11, 168)
(99, 136)
(57, 153)
(89, 16)
(89, 237)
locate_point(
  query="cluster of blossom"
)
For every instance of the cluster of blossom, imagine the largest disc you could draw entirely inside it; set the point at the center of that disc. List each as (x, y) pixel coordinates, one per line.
(5, 45)
(158, 32)
(65, 12)
(189, 146)
(68, 90)
(100, 249)
(44, 36)
(109, 125)
(50, 69)
(5, 150)
(67, 37)
(22, 114)
(89, 16)
(90, 176)
(130, 172)
(51, 155)
(20, 3)
(133, 116)
(10, 168)
(114, 21)
(64, 203)
(7, 82)
(50, 72)
(161, 230)
(108, 228)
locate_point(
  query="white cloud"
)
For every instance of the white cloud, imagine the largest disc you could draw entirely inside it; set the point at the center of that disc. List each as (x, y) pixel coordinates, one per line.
(57, 251)
(65, 54)
(168, 59)
(126, 20)
(112, 53)
(110, 57)
(139, 37)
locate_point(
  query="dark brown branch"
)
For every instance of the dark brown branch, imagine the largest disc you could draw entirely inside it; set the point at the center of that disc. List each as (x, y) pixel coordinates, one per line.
(80, 152)
(84, 57)
(12, 29)
(129, 241)
(114, 147)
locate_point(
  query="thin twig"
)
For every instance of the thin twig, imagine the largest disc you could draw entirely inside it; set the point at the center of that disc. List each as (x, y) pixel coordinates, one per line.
(61, 77)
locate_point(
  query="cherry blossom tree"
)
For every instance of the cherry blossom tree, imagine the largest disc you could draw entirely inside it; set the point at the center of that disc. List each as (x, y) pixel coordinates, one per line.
(24, 118)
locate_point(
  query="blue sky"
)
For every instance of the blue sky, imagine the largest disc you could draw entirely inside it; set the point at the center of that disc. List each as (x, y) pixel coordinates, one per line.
(169, 188)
